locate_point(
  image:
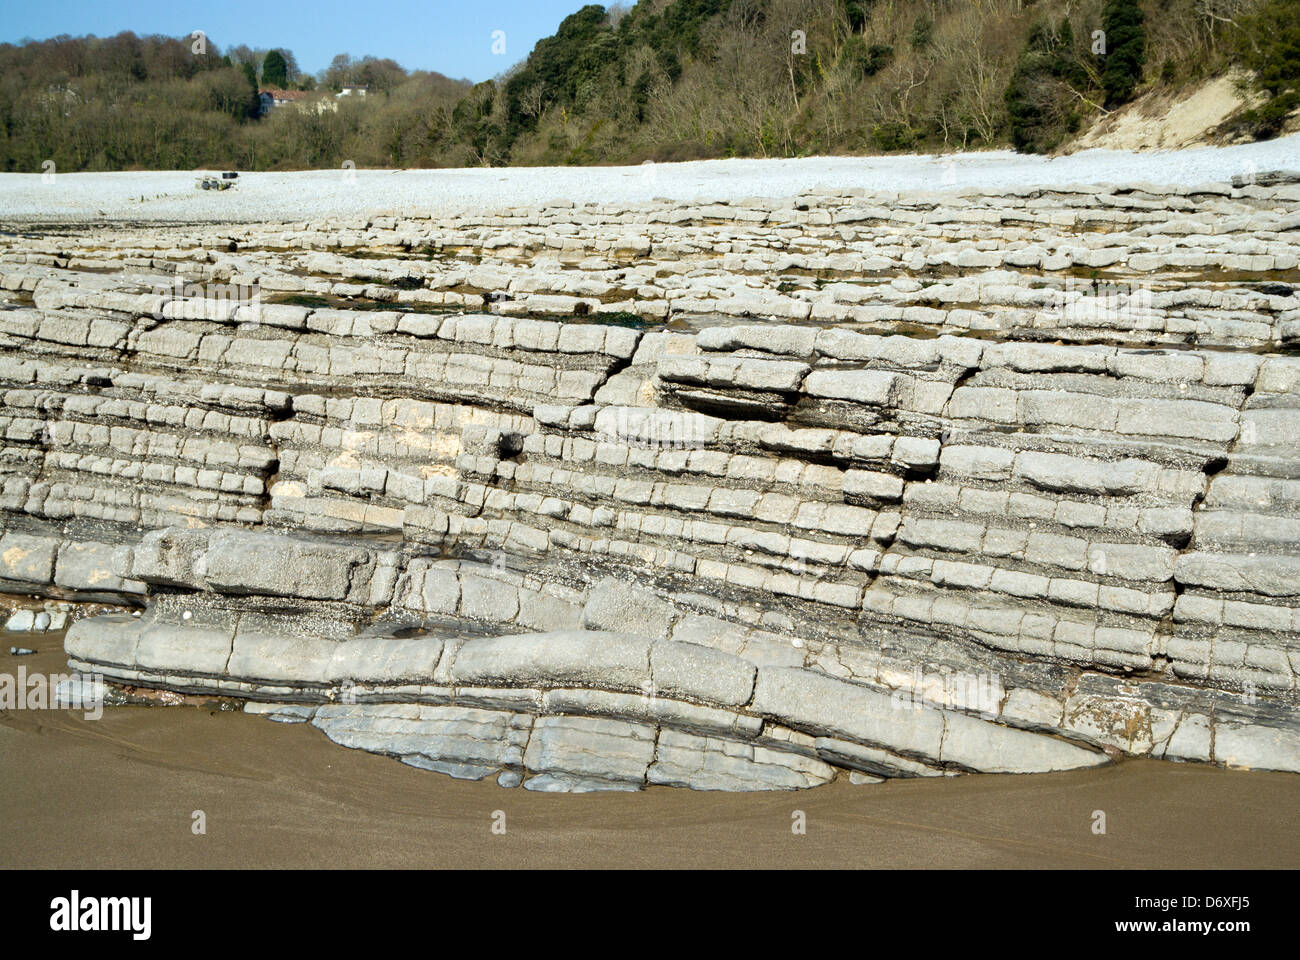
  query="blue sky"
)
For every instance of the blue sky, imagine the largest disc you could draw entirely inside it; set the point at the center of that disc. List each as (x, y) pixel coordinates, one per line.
(454, 38)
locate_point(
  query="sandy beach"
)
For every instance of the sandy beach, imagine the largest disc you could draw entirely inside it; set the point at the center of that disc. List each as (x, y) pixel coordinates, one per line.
(121, 791)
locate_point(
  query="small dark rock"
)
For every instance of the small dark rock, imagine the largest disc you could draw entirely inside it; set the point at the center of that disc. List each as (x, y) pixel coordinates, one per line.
(1268, 178)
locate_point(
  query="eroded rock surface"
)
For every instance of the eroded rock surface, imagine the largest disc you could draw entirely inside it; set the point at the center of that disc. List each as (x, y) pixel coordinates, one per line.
(733, 496)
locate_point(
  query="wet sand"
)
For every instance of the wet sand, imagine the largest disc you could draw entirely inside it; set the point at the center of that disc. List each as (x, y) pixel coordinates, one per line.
(120, 792)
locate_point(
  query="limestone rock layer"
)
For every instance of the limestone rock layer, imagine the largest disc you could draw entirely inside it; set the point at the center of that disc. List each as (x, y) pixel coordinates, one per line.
(727, 496)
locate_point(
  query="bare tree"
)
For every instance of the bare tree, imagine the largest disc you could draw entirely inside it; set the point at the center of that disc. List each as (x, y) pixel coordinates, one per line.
(533, 100)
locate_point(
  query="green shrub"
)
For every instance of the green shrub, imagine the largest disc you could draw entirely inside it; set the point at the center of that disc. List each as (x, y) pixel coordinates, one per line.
(866, 60)
(1039, 99)
(922, 31)
(856, 13)
(894, 135)
(1268, 44)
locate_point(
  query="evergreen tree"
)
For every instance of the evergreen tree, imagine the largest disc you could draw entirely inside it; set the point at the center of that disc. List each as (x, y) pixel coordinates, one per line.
(275, 70)
(1126, 49)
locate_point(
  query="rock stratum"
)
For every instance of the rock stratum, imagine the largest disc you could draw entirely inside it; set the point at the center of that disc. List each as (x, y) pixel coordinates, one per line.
(746, 495)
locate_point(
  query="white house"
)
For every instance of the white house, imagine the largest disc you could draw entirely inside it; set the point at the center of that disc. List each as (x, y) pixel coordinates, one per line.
(272, 97)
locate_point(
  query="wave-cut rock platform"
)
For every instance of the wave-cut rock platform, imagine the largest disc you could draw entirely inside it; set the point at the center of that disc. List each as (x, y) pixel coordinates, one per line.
(738, 496)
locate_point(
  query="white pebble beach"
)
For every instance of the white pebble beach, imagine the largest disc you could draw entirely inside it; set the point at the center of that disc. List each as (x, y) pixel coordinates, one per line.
(172, 196)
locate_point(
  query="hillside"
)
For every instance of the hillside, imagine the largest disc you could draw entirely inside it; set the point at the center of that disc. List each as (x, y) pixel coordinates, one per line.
(150, 103)
(707, 78)
(676, 80)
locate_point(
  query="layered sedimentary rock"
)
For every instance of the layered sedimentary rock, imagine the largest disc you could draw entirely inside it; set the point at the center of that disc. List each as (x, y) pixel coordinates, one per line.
(730, 496)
